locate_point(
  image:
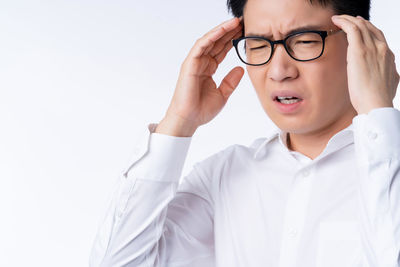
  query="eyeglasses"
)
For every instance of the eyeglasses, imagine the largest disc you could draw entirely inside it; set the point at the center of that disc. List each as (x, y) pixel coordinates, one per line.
(301, 46)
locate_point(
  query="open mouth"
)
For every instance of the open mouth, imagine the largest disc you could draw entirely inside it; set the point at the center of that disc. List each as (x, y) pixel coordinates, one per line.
(287, 99)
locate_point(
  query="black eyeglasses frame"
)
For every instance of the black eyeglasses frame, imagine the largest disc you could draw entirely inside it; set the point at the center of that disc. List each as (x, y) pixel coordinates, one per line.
(323, 35)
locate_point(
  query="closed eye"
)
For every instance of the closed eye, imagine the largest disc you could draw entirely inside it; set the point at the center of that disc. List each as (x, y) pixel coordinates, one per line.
(255, 48)
(307, 42)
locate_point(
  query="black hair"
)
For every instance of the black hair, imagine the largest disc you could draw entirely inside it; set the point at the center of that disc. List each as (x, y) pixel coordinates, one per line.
(349, 7)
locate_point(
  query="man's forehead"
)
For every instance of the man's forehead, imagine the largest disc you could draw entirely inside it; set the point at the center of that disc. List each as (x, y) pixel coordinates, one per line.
(286, 32)
(262, 19)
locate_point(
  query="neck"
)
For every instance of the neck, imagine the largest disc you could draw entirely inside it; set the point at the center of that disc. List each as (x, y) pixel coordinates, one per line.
(312, 144)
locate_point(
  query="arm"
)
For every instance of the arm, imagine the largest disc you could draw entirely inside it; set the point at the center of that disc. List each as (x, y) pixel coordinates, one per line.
(377, 145)
(150, 222)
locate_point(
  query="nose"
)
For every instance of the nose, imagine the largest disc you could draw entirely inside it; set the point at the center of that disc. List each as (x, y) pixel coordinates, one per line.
(281, 66)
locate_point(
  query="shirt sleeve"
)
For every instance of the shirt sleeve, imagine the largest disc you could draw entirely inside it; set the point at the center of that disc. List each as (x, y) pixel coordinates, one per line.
(377, 148)
(152, 222)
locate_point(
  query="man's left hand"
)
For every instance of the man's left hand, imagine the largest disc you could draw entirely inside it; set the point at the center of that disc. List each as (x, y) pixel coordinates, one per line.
(371, 69)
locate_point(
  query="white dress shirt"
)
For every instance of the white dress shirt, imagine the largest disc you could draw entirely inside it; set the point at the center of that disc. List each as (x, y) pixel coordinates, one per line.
(260, 205)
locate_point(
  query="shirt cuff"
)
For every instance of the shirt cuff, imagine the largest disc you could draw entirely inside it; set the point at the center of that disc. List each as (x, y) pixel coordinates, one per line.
(377, 134)
(158, 157)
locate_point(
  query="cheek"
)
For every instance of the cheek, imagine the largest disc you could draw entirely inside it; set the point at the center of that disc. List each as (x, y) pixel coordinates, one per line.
(335, 64)
(328, 78)
(258, 78)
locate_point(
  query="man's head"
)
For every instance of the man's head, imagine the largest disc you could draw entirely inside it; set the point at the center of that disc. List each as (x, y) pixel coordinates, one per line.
(349, 7)
(320, 83)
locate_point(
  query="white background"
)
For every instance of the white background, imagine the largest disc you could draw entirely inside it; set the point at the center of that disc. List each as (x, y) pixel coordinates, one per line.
(79, 81)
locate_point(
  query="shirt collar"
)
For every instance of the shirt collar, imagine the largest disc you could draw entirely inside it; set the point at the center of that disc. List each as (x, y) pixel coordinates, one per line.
(271, 136)
(338, 140)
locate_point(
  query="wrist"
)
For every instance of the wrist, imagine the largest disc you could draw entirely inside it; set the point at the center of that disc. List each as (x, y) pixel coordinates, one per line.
(366, 110)
(175, 127)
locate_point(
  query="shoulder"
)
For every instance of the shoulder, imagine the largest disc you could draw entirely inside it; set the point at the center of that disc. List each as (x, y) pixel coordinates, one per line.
(228, 155)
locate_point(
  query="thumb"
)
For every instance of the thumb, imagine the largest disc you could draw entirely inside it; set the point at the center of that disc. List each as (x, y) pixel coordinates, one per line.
(231, 81)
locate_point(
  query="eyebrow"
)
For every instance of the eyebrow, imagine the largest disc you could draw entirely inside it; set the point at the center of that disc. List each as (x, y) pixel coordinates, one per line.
(299, 29)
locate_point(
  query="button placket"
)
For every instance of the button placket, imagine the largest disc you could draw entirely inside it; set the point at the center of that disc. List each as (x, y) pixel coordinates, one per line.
(304, 175)
(295, 215)
(292, 232)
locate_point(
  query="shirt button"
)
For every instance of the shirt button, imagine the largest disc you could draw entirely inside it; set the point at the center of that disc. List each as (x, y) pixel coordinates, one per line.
(372, 135)
(306, 173)
(292, 233)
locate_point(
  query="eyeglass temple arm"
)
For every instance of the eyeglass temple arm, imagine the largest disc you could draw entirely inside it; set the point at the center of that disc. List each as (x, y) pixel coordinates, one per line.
(330, 32)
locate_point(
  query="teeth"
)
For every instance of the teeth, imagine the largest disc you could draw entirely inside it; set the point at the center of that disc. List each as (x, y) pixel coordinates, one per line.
(285, 97)
(291, 101)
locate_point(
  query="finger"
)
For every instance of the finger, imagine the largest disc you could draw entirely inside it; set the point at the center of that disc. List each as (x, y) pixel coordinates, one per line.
(239, 19)
(211, 66)
(365, 23)
(239, 24)
(367, 36)
(231, 81)
(220, 44)
(222, 54)
(377, 32)
(352, 31)
(211, 37)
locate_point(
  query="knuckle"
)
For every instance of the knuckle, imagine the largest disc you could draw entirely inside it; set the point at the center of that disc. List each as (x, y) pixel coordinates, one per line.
(354, 28)
(392, 55)
(189, 63)
(383, 48)
(218, 58)
(184, 64)
(362, 51)
(199, 40)
(361, 21)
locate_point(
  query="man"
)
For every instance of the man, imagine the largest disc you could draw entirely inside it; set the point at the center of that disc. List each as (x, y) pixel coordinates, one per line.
(323, 191)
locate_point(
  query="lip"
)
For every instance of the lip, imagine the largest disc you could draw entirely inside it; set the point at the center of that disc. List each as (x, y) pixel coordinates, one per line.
(285, 93)
(288, 108)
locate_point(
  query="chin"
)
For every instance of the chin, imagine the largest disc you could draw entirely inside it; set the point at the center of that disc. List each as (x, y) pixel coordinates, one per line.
(293, 125)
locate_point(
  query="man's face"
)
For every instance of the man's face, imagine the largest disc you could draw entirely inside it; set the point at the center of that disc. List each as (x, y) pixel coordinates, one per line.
(321, 83)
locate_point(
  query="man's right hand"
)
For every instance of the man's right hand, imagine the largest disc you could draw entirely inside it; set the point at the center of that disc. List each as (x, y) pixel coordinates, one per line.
(196, 99)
